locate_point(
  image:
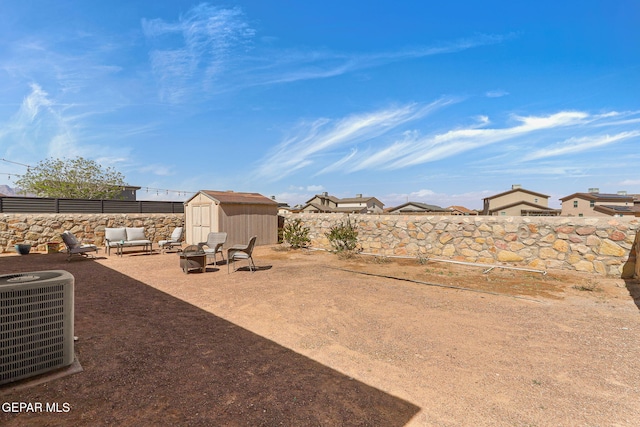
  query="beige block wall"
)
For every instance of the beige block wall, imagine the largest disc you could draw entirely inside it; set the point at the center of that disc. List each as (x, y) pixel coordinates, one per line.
(594, 245)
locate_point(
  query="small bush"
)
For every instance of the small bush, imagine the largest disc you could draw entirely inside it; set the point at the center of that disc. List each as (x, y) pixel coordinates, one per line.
(295, 234)
(343, 237)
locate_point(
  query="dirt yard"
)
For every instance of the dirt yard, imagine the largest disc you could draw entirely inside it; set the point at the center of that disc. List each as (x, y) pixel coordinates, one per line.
(313, 340)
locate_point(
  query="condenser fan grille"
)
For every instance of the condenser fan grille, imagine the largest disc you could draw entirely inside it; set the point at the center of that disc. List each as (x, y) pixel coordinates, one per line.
(33, 329)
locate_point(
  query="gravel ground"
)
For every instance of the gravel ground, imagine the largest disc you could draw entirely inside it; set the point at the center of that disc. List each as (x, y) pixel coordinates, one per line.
(312, 339)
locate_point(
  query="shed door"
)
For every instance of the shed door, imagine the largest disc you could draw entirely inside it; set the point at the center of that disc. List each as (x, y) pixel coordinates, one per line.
(201, 223)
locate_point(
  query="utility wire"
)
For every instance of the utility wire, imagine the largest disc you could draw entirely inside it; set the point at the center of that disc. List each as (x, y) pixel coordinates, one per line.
(15, 163)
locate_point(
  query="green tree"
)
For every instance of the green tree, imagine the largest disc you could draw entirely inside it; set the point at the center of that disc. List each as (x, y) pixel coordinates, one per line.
(77, 178)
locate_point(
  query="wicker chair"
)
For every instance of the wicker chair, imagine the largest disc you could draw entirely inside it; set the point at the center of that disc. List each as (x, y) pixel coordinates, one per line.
(214, 244)
(236, 252)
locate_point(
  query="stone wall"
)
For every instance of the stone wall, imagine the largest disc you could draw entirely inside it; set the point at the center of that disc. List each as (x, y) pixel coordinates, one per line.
(38, 229)
(600, 245)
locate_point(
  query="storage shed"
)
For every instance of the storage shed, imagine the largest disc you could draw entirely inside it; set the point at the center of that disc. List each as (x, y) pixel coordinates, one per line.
(241, 215)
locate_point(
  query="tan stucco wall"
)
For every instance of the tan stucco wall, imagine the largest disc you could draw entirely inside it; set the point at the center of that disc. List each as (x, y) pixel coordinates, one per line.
(584, 207)
(517, 196)
(512, 211)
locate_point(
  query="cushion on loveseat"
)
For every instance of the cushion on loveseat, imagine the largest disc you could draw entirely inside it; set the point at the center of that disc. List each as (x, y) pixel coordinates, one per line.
(135, 233)
(115, 235)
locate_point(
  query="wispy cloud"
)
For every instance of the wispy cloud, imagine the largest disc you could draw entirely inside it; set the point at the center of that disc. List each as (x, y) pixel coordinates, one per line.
(498, 93)
(42, 127)
(289, 66)
(317, 149)
(201, 41)
(324, 136)
(630, 182)
(213, 49)
(576, 145)
(454, 142)
(34, 114)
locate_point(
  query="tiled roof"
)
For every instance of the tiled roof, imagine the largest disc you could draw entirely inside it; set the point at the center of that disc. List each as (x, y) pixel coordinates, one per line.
(461, 209)
(322, 196)
(522, 202)
(356, 199)
(617, 210)
(338, 201)
(421, 207)
(600, 197)
(330, 209)
(515, 190)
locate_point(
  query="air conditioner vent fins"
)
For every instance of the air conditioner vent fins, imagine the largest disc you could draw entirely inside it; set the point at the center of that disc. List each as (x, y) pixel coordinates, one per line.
(36, 323)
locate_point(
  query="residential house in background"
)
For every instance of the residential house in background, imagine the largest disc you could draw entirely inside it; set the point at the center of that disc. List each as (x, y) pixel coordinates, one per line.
(325, 203)
(283, 207)
(595, 203)
(129, 192)
(518, 202)
(417, 208)
(461, 210)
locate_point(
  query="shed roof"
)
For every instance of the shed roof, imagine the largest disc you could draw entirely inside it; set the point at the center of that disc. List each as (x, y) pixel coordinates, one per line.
(232, 197)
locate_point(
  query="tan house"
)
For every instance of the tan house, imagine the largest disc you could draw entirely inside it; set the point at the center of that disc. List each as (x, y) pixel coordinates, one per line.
(240, 215)
(461, 210)
(321, 203)
(595, 203)
(518, 202)
(418, 208)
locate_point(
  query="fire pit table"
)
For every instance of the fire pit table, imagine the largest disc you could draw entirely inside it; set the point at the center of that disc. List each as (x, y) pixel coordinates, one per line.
(193, 257)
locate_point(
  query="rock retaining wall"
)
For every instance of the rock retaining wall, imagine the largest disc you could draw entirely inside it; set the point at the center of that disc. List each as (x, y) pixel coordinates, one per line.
(38, 229)
(600, 245)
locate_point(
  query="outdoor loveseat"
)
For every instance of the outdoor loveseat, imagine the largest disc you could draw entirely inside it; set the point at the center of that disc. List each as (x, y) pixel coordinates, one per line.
(126, 237)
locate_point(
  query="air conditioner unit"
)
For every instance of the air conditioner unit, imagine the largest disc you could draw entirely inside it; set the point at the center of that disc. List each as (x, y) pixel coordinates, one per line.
(36, 323)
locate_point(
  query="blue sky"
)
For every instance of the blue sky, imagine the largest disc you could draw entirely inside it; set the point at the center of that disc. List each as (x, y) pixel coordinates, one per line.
(437, 102)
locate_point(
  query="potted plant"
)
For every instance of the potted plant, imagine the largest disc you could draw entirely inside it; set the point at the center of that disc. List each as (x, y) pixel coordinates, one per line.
(23, 248)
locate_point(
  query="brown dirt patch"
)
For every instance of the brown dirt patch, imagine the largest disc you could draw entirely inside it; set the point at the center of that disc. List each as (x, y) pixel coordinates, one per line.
(311, 339)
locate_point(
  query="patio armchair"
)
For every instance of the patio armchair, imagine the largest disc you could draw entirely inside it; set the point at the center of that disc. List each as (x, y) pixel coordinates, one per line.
(236, 252)
(74, 247)
(214, 243)
(174, 240)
